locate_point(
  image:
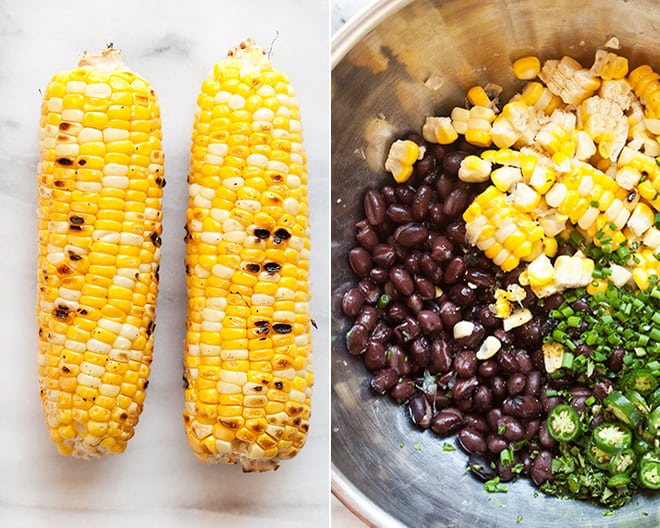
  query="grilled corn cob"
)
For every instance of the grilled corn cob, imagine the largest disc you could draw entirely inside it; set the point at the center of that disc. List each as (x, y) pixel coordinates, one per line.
(100, 180)
(248, 352)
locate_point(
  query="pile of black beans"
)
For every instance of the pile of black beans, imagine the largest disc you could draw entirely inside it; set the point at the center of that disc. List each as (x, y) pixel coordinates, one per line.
(416, 278)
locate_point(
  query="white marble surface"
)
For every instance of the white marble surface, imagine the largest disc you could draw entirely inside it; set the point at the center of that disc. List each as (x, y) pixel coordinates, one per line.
(341, 13)
(157, 481)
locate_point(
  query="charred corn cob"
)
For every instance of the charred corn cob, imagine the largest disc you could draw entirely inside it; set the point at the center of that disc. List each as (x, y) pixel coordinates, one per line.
(100, 180)
(248, 352)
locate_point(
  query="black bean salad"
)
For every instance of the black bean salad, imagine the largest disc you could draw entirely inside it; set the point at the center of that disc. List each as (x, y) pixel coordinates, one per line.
(507, 286)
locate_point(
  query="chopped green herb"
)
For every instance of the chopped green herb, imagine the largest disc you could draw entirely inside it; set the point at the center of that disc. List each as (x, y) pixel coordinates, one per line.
(519, 518)
(495, 486)
(417, 447)
(447, 447)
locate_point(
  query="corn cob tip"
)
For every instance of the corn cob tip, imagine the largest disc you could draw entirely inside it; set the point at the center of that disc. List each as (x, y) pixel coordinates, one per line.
(247, 50)
(108, 60)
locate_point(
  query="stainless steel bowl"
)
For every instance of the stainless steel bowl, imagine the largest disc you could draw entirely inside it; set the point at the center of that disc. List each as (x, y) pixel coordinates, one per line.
(395, 64)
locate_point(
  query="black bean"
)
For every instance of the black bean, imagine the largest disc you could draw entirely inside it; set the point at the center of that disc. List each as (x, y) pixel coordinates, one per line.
(379, 275)
(397, 312)
(549, 402)
(436, 217)
(530, 334)
(581, 305)
(507, 361)
(420, 353)
(352, 302)
(366, 235)
(398, 360)
(498, 386)
(411, 263)
(420, 411)
(479, 278)
(474, 339)
(442, 249)
(447, 421)
(466, 363)
(602, 389)
(375, 357)
(414, 303)
(496, 443)
(424, 168)
(425, 288)
(492, 418)
(552, 302)
(523, 360)
(479, 466)
(488, 368)
(544, 436)
(388, 194)
(615, 361)
(381, 332)
(411, 234)
(452, 162)
(374, 207)
(383, 255)
(370, 290)
(487, 317)
(402, 280)
(471, 441)
(431, 270)
(450, 314)
(464, 388)
(356, 339)
(441, 360)
(407, 330)
(516, 383)
(384, 380)
(533, 383)
(429, 322)
(506, 473)
(522, 406)
(456, 202)
(510, 428)
(455, 270)
(462, 295)
(483, 399)
(360, 261)
(421, 202)
(403, 390)
(505, 337)
(477, 422)
(541, 470)
(368, 317)
(437, 151)
(399, 213)
(456, 232)
(405, 193)
(532, 428)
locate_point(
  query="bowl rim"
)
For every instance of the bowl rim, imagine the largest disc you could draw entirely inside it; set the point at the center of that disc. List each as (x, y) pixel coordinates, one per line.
(359, 25)
(342, 42)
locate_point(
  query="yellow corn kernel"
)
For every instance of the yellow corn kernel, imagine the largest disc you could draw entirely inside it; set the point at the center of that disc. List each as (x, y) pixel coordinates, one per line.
(400, 159)
(527, 68)
(439, 130)
(474, 169)
(478, 96)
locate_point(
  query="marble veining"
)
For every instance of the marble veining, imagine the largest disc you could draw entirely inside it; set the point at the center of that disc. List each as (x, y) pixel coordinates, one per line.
(157, 481)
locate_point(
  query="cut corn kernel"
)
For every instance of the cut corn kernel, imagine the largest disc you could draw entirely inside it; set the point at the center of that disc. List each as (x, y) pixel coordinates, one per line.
(527, 68)
(401, 157)
(248, 350)
(98, 260)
